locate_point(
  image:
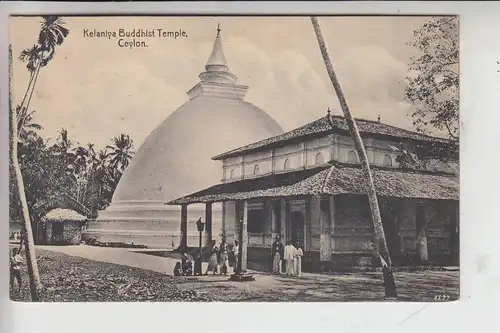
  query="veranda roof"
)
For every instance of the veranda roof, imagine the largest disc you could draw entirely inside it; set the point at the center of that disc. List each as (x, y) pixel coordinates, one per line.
(60, 214)
(332, 180)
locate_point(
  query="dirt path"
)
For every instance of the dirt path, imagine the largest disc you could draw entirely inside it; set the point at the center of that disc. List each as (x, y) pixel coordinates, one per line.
(412, 286)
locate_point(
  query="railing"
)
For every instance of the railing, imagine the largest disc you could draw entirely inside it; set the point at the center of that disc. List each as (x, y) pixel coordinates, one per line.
(260, 239)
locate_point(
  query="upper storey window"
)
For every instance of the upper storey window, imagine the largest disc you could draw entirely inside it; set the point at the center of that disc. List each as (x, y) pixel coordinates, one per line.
(387, 161)
(352, 157)
(287, 165)
(320, 159)
(256, 170)
(231, 174)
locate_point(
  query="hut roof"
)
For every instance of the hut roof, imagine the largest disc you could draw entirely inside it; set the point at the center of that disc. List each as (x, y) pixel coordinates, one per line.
(337, 179)
(367, 128)
(60, 214)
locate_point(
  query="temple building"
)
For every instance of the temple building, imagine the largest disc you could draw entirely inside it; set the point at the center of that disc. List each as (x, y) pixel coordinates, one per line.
(307, 186)
(174, 161)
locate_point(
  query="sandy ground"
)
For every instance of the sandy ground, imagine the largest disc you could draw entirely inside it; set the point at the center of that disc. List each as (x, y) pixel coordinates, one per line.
(103, 264)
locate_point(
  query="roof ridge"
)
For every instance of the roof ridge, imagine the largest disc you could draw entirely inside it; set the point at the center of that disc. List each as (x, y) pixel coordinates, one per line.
(390, 125)
(269, 138)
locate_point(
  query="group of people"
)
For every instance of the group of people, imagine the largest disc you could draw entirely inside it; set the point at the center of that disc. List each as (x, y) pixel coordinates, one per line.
(290, 255)
(219, 257)
(183, 268)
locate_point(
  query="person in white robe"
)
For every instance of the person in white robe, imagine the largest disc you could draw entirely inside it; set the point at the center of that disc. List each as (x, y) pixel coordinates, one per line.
(289, 256)
(286, 255)
(298, 254)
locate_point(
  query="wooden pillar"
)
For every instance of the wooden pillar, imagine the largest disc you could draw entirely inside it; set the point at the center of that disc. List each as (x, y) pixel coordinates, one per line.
(325, 253)
(313, 218)
(268, 230)
(231, 222)
(284, 217)
(223, 226)
(332, 215)
(183, 243)
(208, 223)
(275, 224)
(244, 239)
(421, 229)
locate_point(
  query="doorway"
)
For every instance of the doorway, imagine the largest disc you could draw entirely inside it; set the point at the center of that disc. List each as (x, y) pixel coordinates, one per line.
(392, 232)
(57, 232)
(297, 228)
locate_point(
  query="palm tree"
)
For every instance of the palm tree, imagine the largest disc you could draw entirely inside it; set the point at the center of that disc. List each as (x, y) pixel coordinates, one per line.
(52, 34)
(81, 170)
(121, 152)
(32, 57)
(27, 128)
(100, 179)
(34, 276)
(380, 241)
(82, 160)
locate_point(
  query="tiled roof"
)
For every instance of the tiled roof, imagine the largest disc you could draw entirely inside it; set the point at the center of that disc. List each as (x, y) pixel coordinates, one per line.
(332, 180)
(366, 128)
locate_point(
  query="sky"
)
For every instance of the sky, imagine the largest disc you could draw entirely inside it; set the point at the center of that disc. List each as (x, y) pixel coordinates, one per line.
(96, 89)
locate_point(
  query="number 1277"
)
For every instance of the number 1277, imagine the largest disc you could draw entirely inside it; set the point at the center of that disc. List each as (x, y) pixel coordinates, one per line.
(441, 297)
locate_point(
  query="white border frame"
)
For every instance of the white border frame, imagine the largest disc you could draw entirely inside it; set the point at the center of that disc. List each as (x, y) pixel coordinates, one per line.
(480, 195)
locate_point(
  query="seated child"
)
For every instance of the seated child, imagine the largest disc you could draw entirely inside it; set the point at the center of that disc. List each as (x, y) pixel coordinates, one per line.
(177, 269)
(188, 268)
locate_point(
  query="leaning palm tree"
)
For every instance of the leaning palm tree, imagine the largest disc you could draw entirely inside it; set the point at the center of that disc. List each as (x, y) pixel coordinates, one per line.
(52, 34)
(34, 277)
(380, 241)
(32, 58)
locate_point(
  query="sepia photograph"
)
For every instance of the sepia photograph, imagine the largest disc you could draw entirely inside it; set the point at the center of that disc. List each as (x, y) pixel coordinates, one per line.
(234, 158)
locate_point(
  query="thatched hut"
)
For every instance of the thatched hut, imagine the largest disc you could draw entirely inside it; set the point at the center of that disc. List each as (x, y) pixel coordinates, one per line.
(62, 227)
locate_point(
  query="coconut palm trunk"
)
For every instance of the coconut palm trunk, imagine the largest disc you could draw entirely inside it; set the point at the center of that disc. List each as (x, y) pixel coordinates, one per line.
(33, 74)
(35, 78)
(34, 277)
(380, 241)
(28, 94)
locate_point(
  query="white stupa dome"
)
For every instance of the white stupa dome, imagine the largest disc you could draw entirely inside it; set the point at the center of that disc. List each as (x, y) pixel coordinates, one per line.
(175, 159)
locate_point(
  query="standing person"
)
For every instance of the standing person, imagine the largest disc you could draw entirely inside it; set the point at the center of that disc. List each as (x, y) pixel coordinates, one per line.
(277, 255)
(224, 258)
(289, 256)
(286, 254)
(236, 253)
(298, 260)
(15, 269)
(212, 261)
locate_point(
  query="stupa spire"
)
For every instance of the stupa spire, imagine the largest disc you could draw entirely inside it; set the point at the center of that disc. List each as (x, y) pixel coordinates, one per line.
(217, 58)
(217, 80)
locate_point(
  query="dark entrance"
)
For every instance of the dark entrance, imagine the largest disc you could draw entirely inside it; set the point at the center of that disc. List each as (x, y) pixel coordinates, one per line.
(297, 228)
(392, 235)
(57, 232)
